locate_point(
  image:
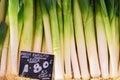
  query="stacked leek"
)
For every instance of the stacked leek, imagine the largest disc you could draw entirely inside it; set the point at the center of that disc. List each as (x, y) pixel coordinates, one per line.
(83, 35)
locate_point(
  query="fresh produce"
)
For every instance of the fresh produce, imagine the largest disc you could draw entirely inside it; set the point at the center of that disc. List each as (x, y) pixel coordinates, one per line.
(111, 39)
(4, 40)
(47, 29)
(89, 29)
(4, 53)
(67, 36)
(61, 30)
(73, 53)
(83, 35)
(101, 41)
(38, 36)
(52, 10)
(112, 13)
(80, 41)
(13, 19)
(27, 33)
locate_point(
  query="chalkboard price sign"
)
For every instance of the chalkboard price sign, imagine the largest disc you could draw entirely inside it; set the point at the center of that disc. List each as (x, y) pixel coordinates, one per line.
(36, 65)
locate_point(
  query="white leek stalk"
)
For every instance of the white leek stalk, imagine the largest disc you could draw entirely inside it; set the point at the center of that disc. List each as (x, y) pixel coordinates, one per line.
(89, 28)
(80, 41)
(51, 6)
(47, 28)
(12, 71)
(4, 56)
(102, 42)
(38, 29)
(73, 53)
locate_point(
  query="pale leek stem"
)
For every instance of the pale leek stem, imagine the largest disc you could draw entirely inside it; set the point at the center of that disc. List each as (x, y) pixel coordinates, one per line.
(80, 41)
(38, 29)
(89, 28)
(4, 55)
(73, 53)
(67, 20)
(102, 42)
(47, 29)
(59, 74)
(13, 18)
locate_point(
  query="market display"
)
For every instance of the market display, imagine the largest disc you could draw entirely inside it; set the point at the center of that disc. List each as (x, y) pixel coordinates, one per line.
(83, 36)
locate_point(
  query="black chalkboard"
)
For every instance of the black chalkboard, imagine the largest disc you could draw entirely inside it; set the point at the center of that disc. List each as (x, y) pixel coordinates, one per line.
(36, 65)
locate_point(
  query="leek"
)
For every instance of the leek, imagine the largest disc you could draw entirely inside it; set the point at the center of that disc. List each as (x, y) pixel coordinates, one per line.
(80, 41)
(51, 6)
(110, 5)
(26, 42)
(102, 42)
(61, 28)
(88, 22)
(3, 48)
(38, 29)
(67, 21)
(73, 53)
(27, 33)
(47, 28)
(110, 40)
(13, 18)
(4, 56)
